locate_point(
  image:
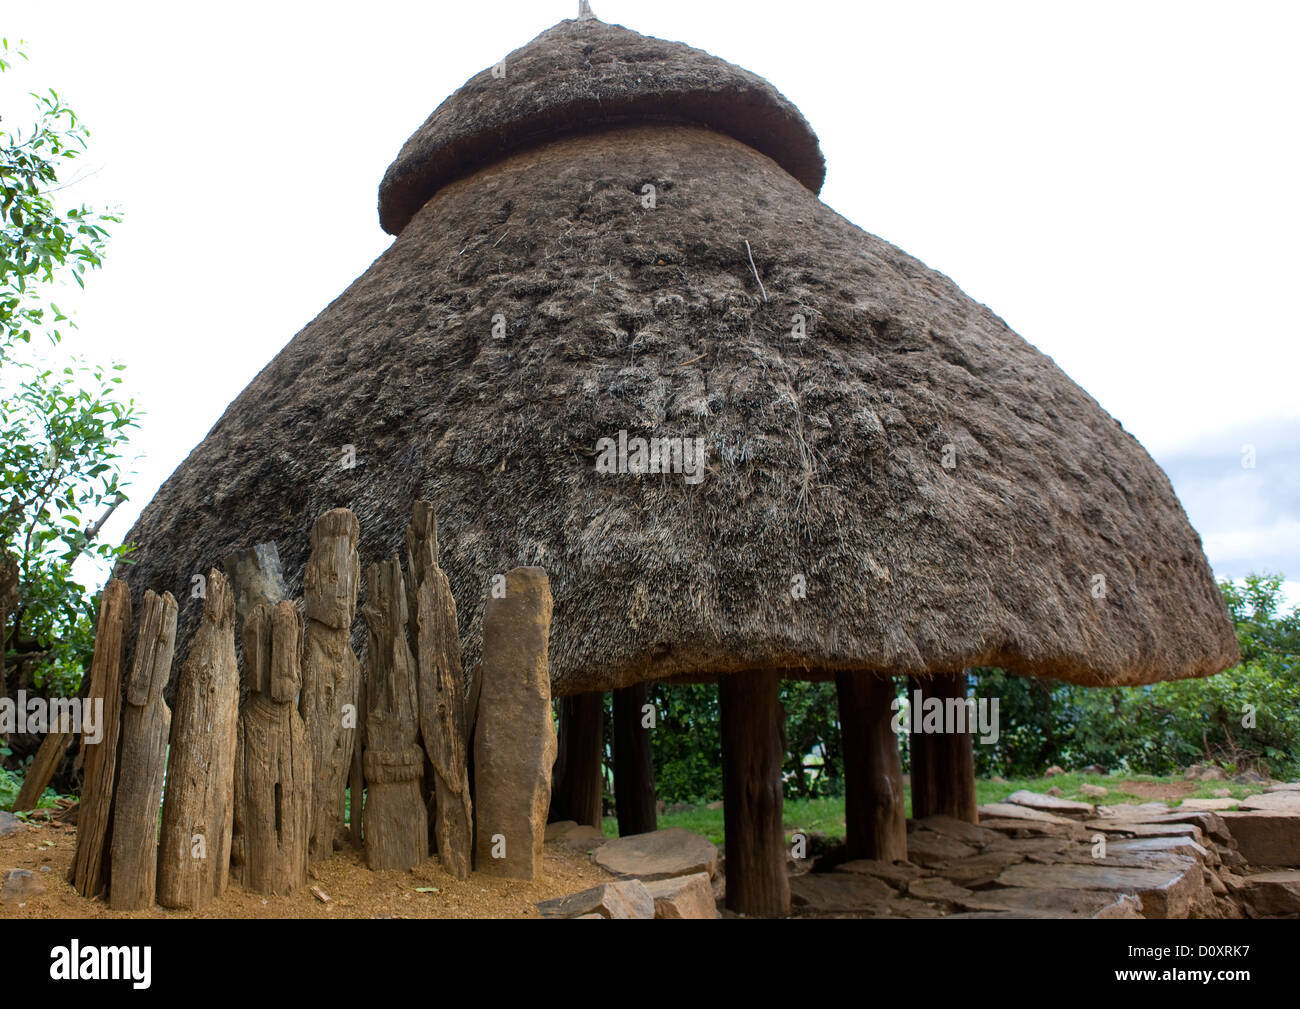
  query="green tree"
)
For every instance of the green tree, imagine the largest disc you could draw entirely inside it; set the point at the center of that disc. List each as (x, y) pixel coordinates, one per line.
(64, 420)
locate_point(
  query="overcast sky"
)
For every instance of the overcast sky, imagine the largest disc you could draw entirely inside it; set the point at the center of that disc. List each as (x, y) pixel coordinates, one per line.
(1116, 180)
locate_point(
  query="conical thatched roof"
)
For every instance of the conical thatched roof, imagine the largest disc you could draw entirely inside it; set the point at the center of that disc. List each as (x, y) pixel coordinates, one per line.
(948, 497)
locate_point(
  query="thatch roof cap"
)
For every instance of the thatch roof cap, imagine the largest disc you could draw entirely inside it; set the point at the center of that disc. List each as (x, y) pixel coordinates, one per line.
(946, 496)
(584, 74)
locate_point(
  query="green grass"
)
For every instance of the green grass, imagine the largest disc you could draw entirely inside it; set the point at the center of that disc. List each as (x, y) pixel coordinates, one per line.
(826, 816)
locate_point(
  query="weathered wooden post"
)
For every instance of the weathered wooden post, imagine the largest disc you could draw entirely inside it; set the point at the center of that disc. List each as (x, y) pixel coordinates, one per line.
(198, 810)
(146, 724)
(397, 824)
(255, 577)
(331, 673)
(753, 752)
(441, 690)
(91, 861)
(874, 816)
(514, 740)
(634, 769)
(943, 763)
(273, 757)
(579, 788)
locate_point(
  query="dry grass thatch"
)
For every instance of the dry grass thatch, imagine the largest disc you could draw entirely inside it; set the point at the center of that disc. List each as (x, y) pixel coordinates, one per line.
(825, 455)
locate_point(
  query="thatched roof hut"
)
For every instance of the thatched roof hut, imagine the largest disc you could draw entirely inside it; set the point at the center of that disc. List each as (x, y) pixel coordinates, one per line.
(948, 496)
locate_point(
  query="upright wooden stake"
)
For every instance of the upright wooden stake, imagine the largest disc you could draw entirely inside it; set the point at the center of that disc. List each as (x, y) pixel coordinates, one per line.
(397, 825)
(753, 751)
(579, 787)
(273, 757)
(90, 862)
(874, 817)
(356, 775)
(634, 769)
(441, 690)
(943, 763)
(42, 769)
(146, 724)
(331, 673)
(198, 810)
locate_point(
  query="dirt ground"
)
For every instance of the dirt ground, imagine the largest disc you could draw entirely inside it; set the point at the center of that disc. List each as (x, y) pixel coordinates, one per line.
(354, 891)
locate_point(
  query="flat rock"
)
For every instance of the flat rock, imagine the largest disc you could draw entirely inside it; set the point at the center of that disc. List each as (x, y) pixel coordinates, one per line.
(9, 824)
(1028, 828)
(1030, 845)
(660, 854)
(20, 885)
(1020, 811)
(1281, 802)
(1189, 830)
(1214, 804)
(897, 873)
(583, 839)
(958, 830)
(1210, 823)
(559, 828)
(838, 892)
(925, 847)
(936, 888)
(1271, 893)
(1053, 902)
(1093, 791)
(1165, 893)
(981, 870)
(684, 897)
(624, 898)
(1137, 811)
(1265, 838)
(1284, 786)
(1049, 803)
(1163, 845)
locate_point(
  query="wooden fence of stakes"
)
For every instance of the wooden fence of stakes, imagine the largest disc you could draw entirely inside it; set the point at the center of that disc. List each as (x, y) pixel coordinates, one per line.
(176, 804)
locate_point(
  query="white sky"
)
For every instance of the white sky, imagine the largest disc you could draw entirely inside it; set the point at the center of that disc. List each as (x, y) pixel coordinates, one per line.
(1116, 180)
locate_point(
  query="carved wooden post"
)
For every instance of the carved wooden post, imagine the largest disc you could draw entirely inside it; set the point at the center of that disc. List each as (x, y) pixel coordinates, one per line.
(514, 741)
(943, 763)
(90, 863)
(875, 821)
(441, 689)
(331, 671)
(753, 752)
(634, 769)
(255, 576)
(397, 824)
(273, 758)
(198, 811)
(146, 724)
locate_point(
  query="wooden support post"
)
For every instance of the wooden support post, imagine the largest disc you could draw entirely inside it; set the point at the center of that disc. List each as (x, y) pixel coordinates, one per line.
(441, 689)
(634, 769)
(943, 763)
(90, 862)
(146, 725)
(273, 757)
(753, 751)
(331, 672)
(579, 787)
(356, 775)
(397, 823)
(42, 769)
(198, 810)
(874, 817)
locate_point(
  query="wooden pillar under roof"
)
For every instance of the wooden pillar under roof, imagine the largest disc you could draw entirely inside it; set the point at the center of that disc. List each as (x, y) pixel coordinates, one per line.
(943, 763)
(875, 820)
(634, 770)
(578, 790)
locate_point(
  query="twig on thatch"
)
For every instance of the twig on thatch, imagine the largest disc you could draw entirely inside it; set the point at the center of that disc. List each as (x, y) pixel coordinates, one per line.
(755, 269)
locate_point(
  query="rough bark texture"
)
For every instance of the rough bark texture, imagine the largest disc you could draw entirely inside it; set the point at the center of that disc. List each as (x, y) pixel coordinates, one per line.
(514, 740)
(442, 718)
(874, 814)
(331, 672)
(42, 769)
(273, 758)
(146, 725)
(198, 809)
(90, 862)
(397, 825)
(943, 763)
(753, 751)
(578, 788)
(356, 774)
(634, 769)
